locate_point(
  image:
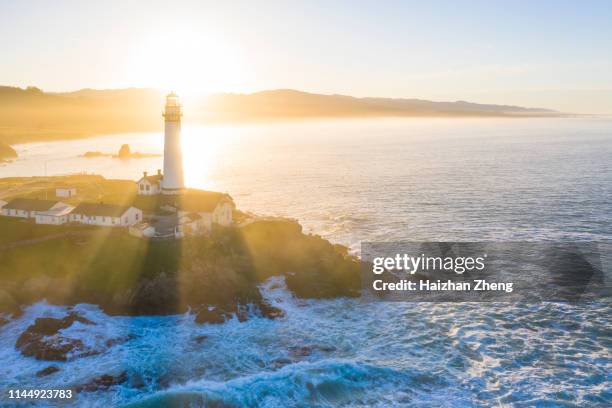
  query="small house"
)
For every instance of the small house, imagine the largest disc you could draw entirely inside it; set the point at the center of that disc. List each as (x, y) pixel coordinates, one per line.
(55, 216)
(29, 207)
(150, 185)
(65, 192)
(106, 215)
(210, 207)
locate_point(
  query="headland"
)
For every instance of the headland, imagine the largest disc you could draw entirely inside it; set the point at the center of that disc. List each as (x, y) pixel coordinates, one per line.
(215, 275)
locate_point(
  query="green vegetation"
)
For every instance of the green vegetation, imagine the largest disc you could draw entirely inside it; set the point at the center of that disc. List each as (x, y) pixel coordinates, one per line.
(19, 229)
(89, 187)
(128, 275)
(123, 274)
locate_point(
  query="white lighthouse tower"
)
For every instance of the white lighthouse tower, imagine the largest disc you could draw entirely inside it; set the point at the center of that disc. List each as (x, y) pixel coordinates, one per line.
(172, 182)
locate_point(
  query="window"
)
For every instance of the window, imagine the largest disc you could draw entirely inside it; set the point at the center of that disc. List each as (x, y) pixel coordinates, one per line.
(136, 216)
(148, 187)
(142, 187)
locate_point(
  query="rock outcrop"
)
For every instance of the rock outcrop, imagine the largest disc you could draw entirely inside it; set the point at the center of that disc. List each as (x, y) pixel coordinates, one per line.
(43, 341)
(212, 316)
(124, 152)
(102, 382)
(90, 154)
(47, 371)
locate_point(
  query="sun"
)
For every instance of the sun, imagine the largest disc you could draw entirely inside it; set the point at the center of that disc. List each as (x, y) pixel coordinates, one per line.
(187, 61)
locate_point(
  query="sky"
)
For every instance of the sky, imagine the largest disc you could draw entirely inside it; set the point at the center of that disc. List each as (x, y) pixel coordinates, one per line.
(551, 54)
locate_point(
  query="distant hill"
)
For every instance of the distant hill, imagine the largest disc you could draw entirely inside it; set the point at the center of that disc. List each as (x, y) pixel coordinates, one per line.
(31, 114)
(287, 103)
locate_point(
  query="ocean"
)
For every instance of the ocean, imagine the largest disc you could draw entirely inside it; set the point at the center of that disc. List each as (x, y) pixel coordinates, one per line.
(353, 181)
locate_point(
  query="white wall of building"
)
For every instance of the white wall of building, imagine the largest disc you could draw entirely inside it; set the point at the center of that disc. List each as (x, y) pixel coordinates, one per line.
(145, 187)
(223, 214)
(52, 219)
(173, 158)
(15, 213)
(56, 216)
(131, 216)
(204, 223)
(100, 220)
(29, 214)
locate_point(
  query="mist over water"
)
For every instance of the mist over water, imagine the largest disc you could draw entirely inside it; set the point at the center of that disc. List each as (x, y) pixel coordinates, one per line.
(353, 181)
(415, 179)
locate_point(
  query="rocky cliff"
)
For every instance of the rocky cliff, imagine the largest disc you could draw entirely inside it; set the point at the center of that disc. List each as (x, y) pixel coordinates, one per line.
(215, 276)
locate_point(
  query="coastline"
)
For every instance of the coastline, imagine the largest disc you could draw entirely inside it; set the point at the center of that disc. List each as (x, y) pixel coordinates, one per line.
(72, 264)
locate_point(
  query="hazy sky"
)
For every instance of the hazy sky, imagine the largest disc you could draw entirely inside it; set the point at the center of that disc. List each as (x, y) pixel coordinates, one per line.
(555, 54)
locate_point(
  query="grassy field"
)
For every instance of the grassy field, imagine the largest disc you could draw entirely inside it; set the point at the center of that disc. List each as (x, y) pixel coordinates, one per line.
(95, 189)
(92, 188)
(18, 229)
(108, 191)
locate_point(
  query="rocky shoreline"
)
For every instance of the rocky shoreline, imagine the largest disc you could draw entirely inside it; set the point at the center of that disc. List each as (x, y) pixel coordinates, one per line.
(215, 277)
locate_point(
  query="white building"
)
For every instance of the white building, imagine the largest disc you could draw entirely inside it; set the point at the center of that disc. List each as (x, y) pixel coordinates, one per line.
(142, 230)
(106, 215)
(28, 207)
(191, 224)
(173, 182)
(65, 192)
(54, 216)
(211, 208)
(150, 185)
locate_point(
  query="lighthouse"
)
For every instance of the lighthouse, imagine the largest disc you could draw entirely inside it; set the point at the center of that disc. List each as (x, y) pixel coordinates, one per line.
(172, 182)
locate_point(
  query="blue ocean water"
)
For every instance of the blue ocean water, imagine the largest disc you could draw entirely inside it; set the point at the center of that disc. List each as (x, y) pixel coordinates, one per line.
(548, 179)
(341, 352)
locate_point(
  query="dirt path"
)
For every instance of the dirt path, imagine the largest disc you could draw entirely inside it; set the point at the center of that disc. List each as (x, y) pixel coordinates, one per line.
(33, 241)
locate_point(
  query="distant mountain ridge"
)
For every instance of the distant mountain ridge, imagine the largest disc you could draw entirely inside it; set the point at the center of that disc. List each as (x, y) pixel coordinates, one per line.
(31, 114)
(287, 101)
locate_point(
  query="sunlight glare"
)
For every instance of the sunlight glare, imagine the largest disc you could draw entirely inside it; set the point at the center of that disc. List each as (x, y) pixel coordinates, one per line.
(187, 61)
(203, 148)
